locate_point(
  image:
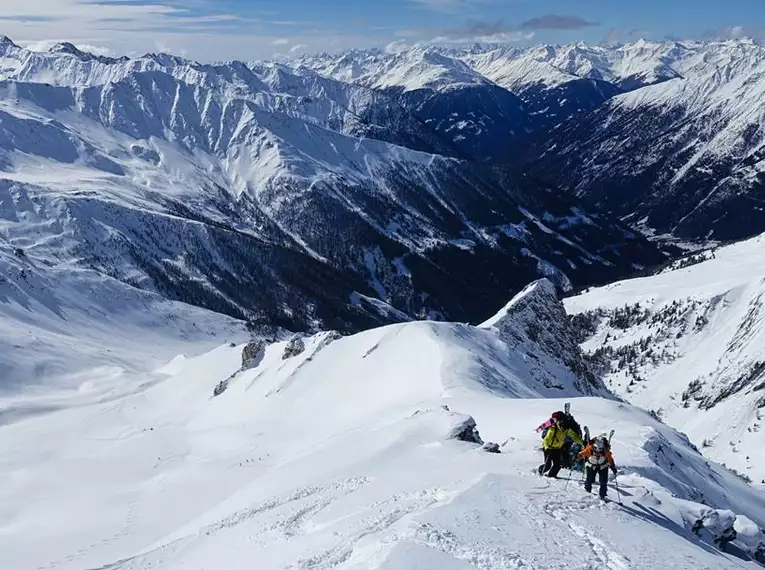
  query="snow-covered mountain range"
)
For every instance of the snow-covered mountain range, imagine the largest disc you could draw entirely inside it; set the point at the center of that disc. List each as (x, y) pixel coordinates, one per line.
(275, 194)
(363, 452)
(683, 155)
(668, 135)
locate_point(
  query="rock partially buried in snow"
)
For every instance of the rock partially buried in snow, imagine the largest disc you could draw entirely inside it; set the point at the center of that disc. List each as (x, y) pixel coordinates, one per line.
(294, 347)
(751, 537)
(491, 447)
(220, 387)
(717, 525)
(252, 354)
(465, 429)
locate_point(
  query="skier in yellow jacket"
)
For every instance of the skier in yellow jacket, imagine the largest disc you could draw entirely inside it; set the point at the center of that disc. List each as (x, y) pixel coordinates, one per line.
(552, 444)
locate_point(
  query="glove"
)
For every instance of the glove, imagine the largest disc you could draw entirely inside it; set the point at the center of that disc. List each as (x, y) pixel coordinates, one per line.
(613, 470)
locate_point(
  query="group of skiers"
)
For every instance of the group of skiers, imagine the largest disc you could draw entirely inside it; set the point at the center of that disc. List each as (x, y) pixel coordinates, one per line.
(565, 447)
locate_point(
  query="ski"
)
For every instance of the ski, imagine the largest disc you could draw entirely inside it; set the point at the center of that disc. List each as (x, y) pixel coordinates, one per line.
(567, 408)
(610, 435)
(586, 435)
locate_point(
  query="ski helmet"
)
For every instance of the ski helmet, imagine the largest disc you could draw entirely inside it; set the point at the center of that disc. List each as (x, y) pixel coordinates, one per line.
(599, 445)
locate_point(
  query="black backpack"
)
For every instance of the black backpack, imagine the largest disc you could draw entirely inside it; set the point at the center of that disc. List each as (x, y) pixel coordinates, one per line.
(571, 423)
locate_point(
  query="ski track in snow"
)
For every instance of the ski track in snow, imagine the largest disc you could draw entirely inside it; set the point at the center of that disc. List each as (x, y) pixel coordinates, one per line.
(605, 553)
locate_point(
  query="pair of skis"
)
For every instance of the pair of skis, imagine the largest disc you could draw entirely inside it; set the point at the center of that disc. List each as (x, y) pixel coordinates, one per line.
(587, 435)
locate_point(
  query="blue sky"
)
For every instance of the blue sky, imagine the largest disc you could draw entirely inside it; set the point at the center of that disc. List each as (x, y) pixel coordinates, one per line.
(250, 29)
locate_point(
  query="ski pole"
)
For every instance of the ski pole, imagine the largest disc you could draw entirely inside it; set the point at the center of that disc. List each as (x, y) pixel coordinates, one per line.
(618, 492)
(570, 472)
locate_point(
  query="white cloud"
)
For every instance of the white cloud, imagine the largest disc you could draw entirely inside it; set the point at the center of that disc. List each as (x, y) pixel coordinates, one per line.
(135, 27)
(497, 38)
(397, 46)
(472, 32)
(737, 33)
(297, 48)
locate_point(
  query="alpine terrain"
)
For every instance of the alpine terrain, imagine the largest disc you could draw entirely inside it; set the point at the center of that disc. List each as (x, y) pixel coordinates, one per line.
(275, 195)
(682, 154)
(365, 451)
(249, 310)
(667, 135)
(687, 344)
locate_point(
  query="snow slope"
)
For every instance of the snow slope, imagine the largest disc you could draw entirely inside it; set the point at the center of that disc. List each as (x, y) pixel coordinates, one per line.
(689, 344)
(67, 328)
(343, 455)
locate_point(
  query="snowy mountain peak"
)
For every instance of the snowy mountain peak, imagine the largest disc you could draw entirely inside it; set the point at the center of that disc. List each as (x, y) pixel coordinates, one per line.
(534, 323)
(541, 293)
(69, 48)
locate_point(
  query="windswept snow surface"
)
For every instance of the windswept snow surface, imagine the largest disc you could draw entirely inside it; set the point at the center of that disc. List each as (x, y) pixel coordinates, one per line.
(339, 457)
(689, 343)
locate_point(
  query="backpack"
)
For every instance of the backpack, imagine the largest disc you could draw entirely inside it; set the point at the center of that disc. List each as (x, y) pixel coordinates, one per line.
(606, 443)
(571, 423)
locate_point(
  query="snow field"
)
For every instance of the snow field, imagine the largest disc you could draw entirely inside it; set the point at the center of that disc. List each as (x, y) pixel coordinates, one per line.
(339, 458)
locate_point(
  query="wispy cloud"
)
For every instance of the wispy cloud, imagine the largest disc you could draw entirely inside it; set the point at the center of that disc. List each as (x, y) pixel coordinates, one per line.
(471, 32)
(618, 35)
(483, 32)
(497, 38)
(556, 22)
(735, 33)
(198, 28)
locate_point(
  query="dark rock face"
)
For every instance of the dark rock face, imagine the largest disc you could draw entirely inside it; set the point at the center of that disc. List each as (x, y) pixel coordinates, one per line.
(535, 322)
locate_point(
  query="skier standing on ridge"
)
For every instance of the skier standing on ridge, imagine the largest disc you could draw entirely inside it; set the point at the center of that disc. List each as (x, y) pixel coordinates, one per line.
(552, 444)
(599, 459)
